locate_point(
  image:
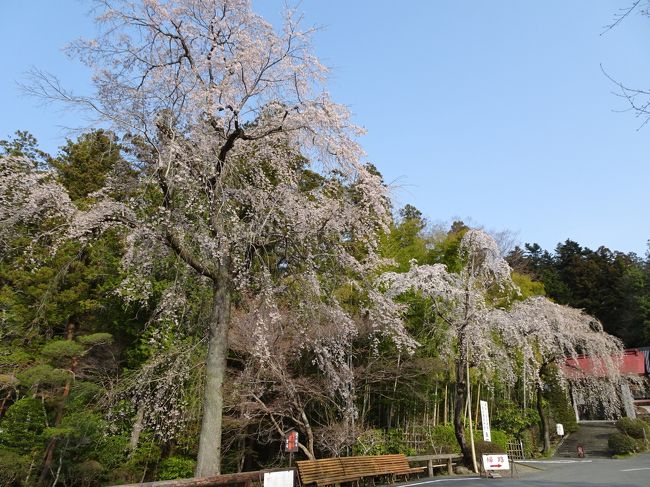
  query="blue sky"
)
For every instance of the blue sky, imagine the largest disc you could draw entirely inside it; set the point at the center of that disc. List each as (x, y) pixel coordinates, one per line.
(496, 112)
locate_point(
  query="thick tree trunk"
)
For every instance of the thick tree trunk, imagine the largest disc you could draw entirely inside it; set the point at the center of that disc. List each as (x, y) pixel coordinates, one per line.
(209, 457)
(546, 434)
(459, 407)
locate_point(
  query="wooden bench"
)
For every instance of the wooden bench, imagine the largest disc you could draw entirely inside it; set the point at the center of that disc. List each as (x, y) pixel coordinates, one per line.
(395, 466)
(327, 471)
(331, 471)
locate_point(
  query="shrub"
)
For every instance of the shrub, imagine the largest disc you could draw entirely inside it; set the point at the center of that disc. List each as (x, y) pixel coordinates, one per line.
(621, 444)
(499, 438)
(12, 466)
(370, 442)
(510, 418)
(486, 448)
(396, 443)
(633, 427)
(442, 437)
(529, 440)
(176, 468)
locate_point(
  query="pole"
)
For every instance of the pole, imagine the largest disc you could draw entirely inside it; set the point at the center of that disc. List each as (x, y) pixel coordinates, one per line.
(524, 382)
(469, 401)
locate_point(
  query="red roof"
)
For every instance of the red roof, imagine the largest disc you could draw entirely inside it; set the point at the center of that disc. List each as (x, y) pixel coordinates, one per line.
(632, 363)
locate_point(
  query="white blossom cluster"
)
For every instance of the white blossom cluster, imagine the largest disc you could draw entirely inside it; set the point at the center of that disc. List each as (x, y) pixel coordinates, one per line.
(546, 333)
(497, 338)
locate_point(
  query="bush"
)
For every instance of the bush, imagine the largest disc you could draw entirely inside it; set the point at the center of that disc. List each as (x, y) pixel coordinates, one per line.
(396, 443)
(510, 418)
(499, 438)
(621, 444)
(442, 437)
(370, 442)
(529, 440)
(486, 448)
(176, 468)
(12, 466)
(633, 427)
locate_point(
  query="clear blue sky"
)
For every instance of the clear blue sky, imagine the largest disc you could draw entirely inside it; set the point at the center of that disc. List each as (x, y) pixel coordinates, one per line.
(493, 112)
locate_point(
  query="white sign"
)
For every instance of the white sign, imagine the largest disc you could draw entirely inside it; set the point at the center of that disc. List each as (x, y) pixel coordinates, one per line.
(496, 461)
(559, 428)
(278, 479)
(485, 420)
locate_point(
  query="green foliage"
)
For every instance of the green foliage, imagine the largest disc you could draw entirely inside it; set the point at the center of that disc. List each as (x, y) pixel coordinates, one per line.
(59, 350)
(486, 448)
(405, 242)
(95, 339)
(370, 442)
(634, 428)
(24, 144)
(510, 418)
(23, 425)
(88, 473)
(559, 404)
(527, 286)
(447, 251)
(43, 375)
(12, 467)
(443, 437)
(84, 164)
(499, 438)
(396, 443)
(613, 286)
(176, 468)
(112, 450)
(621, 444)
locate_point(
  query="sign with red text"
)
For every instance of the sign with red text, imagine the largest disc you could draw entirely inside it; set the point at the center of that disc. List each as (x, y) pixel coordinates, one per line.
(496, 462)
(291, 442)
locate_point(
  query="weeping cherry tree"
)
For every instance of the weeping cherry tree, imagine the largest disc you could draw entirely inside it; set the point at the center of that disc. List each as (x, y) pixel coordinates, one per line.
(462, 301)
(248, 172)
(549, 335)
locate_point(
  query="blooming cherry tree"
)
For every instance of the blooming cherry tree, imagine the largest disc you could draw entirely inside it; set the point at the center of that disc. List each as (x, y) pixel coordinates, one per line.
(462, 301)
(548, 334)
(249, 173)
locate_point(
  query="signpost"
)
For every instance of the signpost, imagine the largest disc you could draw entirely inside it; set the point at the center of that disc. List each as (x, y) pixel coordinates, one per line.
(485, 420)
(559, 429)
(497, 461)
(291, 444)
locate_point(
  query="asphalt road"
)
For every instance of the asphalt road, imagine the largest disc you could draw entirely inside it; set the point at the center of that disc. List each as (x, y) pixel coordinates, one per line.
(631, 472)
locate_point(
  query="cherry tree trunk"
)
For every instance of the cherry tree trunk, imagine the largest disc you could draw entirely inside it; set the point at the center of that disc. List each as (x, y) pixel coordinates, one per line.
(546, 434)
(459, 408)
(209, 457)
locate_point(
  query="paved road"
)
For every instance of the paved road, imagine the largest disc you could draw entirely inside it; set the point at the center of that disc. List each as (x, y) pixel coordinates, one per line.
(632, 472)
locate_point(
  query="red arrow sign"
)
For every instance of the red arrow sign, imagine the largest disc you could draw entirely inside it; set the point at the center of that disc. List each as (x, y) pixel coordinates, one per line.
(495, 466)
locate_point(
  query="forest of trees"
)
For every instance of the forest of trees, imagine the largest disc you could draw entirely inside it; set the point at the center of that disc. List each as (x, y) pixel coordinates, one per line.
(612, 286)
(221, 267)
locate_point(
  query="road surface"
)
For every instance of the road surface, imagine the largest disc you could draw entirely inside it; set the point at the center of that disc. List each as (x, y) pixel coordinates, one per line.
(631, 472)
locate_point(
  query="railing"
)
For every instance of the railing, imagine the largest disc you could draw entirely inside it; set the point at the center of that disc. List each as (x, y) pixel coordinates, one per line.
(245, 478)
(515, 450)
(441, 460)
